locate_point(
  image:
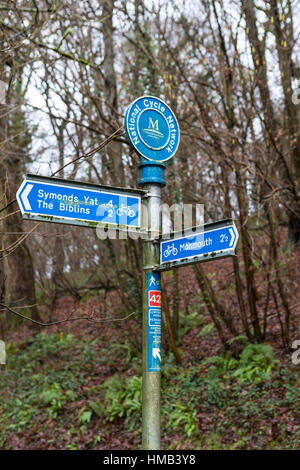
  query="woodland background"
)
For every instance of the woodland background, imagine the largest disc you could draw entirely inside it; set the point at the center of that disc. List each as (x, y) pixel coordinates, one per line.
(231, 73)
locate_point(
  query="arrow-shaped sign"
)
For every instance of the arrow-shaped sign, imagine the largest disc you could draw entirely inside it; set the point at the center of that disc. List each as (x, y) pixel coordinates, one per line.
(205, 243)
(156, 353)
(24, 197)
(232, 237)
(71, 202)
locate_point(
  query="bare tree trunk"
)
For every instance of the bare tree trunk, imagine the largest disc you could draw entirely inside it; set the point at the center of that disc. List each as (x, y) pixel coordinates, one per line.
(284, 42)
(114, 150)
(18, 273)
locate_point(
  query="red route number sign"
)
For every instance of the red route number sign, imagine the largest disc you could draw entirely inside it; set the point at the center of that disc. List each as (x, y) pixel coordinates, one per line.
(154, 298)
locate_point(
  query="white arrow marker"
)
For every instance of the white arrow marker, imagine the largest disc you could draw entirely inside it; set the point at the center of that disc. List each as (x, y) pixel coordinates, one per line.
(232, 236)
(156, 353)
(25, 196)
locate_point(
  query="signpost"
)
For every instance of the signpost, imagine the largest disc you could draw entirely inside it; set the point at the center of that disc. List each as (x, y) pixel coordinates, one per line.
(209, 242)
(71, 202)
(152, 130)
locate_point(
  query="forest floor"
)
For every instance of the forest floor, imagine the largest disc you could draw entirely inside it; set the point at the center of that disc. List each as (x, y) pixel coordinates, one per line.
(78, 385)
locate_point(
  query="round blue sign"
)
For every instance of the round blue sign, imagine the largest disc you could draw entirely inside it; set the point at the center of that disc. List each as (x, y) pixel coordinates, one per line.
(152, 129)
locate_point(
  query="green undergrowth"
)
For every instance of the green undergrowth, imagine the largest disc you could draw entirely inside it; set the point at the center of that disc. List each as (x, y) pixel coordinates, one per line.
(75, 393)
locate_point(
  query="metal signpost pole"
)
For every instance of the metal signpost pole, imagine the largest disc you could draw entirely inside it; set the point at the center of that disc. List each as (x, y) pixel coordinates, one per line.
(151, 180)
(151, 294)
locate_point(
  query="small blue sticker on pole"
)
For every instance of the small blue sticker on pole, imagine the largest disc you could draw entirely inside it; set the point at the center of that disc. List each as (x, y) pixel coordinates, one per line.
(154, 321)
(152, 129)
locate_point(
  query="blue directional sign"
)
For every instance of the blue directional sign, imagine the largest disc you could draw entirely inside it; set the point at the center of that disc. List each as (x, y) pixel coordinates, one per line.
(214, 240)
(70, 202)
(154, 321)
(152, 129)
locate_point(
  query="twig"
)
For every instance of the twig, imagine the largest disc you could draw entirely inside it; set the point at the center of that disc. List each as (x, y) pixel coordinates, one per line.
(88, 155)
(89, 319)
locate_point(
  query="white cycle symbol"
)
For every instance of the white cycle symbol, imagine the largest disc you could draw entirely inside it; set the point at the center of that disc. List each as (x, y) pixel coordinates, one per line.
(125, 210)
(170, 250)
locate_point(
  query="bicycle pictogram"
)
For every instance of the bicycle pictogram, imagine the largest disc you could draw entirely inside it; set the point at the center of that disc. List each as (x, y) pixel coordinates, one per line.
(125, 210)
(171, 250)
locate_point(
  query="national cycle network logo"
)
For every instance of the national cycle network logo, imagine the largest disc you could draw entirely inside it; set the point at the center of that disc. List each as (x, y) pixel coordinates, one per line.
(152, 128)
